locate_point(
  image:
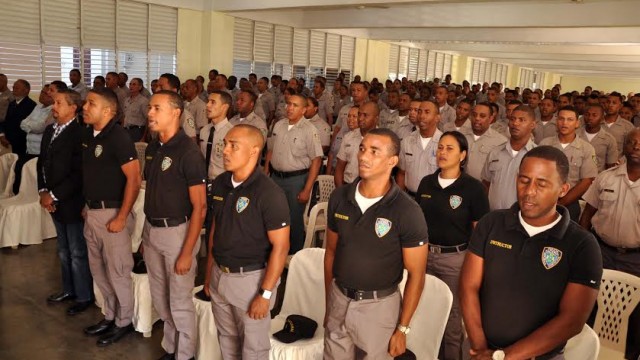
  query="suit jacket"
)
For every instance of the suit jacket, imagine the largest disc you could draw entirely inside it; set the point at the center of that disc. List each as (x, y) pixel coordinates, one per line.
(60, 171)
(11, 125)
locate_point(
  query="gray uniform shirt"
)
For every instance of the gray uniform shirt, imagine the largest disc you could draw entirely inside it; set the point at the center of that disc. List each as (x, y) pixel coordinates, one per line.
(188, 123)
(543, 131)
(581, 155)
(500, 170)
(198, 109)
(135, 111)
(253, 120)
(447, 115)
(617, 220)
(324, 129)
(294, 149)
(416, 161)
(216, 165)
(605, 146)
(619, 129)
(451, 126)
(389, 119)
(349, 152)
(479, 149)
(325, 106)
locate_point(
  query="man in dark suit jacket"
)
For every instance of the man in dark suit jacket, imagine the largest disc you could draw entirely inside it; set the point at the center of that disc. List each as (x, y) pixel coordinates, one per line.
(60, 188)
(10, 131)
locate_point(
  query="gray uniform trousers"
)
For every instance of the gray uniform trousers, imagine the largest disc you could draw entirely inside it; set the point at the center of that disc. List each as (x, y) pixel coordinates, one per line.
(240, 337)
(446, 267)
(172, 293)
(360, 329)
(111, 262)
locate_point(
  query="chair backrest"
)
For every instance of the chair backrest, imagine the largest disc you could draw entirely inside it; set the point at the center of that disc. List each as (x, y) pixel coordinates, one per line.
(305, 293)
(29, 183)
(618, 297)
(141, 147)
(430, 318)
(7, 175)
(584, 346)
(327, 185)
(320, 209)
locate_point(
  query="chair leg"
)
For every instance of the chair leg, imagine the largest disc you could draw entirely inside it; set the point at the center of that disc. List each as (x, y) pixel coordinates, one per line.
(147, 334)
(14, 247)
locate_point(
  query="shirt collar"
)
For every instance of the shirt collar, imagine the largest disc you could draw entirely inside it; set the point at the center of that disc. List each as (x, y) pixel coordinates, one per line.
(221, 124)
(512, 222)
(248, 181)
(393, 192)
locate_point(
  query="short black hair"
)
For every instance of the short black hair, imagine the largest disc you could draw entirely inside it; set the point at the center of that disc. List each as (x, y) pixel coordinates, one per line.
(489, 105)
(527, 109)
(313, 100)
(175, 100)
(224, 96)
(569, 108)
(72, 97)
(251, 94)
(552, 154)
(108, 95)
(173, 80)
(60, 85)
(394, 149)
(75, 71)
(462, 143)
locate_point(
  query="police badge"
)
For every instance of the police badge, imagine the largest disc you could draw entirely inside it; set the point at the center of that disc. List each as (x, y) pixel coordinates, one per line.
(166, 162)
(242, 204)
(382, 226)
(455, 201)
(551, 257)
(191, 123)
(98, 151)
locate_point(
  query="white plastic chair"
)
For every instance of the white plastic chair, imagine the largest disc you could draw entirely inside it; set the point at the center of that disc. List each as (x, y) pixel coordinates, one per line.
(429, 320)
(618, 297)
(326, 187)
(7, 175)
(304, 295)
(144, 314)
(207, 346)
(22, 219)
(141, 147)
(138, 217)
(317, 222)
(584, 346)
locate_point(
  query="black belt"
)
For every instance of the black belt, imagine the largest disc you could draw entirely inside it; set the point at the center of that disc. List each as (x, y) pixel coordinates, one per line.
(135, 127)
(411, 193)
(240, 269)
(437, 249)
(94, 204)
(288, 174)
(167, 222)
(619, 250)
(358, 295)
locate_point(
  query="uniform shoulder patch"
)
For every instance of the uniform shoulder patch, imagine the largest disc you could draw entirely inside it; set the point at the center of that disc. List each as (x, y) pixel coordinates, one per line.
(191, 123)
(382, 226)
(550, 257)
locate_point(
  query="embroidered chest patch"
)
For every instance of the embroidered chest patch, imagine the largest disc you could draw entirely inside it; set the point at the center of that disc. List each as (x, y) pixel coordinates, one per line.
(455, 201)
(382, 226)
(242, 204)
(166, 163)
(551, 257)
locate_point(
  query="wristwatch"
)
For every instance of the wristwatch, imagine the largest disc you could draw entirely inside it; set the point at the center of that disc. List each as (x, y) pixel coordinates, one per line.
(403, 329)
(498, 355)
(265, 293)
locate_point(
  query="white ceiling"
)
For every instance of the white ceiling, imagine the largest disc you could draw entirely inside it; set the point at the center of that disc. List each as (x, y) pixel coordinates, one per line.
(581, 37)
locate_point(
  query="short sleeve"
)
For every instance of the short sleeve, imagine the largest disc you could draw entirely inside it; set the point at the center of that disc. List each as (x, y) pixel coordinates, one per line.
(188, 124)
(479, 236)
(586, 262)
(331, 210)
(612, 151)
(592, 194)
(480, 203)
(193, 167)
(486, 174)
(275, 210)
(125, 150)
(342, 153)
(413, 228)
(402, 163)
(314, 147)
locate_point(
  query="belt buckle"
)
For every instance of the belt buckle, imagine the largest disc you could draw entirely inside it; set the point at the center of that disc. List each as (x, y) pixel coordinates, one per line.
(435, 249)
(358, 295)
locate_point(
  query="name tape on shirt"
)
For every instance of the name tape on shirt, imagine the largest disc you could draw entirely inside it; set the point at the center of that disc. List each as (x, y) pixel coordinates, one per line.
(340, 216)
(500, 244)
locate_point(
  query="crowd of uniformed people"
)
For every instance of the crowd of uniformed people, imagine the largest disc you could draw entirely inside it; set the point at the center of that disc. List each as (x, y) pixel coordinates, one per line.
(515, 199)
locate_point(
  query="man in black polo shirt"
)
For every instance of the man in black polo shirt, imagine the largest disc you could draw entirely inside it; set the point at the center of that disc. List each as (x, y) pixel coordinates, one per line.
(248, 247)
(374, 232)
(531, 276)
(175, 205)
(111, 175)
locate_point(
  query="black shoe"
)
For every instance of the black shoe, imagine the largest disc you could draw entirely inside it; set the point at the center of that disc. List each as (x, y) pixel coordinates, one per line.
(167, 356)
(60, 297)
(201, 295)
(100, 328)
(114, 335)
(78, 307)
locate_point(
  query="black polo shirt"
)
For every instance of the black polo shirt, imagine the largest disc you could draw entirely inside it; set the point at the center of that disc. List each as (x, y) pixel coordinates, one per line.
(242, 217)
(102, 158)
(525, 277)
(170, 169)
(369, 250)
(449, 212)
